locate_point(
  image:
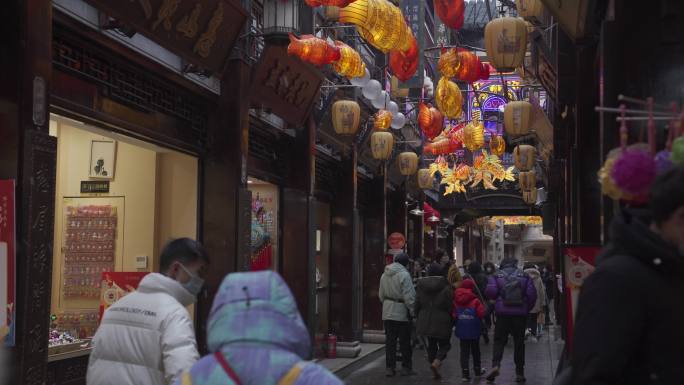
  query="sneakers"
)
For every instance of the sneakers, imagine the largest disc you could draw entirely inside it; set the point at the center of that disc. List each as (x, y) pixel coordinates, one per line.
(390, 372)
(466, 375)
(493, 374)
(405, 372)
(479, 372)
(436, 364)
(520, 378)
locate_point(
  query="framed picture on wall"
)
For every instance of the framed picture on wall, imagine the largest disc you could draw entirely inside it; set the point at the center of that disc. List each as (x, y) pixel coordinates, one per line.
(102, 159)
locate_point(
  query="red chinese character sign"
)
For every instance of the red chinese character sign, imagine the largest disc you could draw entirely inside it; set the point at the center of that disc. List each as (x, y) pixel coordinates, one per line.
(7, 262)
(116, 285)
(580, 262)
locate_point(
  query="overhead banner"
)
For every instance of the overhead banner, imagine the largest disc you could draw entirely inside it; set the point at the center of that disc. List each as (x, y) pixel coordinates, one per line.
(414, 12)
(7, 262)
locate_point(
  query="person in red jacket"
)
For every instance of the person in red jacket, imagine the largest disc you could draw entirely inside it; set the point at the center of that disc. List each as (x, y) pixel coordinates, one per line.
(469, 312)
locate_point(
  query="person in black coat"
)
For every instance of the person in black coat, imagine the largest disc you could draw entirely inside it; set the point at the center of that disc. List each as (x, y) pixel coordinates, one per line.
(629, 326)
(434, 304)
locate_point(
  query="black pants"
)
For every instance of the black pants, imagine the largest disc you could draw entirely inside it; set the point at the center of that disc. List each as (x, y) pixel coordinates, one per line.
(515, 326)
(532, 323)
(468, 347)
(398, 330)
(437, 348)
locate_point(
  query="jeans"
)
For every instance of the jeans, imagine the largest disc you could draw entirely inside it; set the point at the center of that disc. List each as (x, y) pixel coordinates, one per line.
(468, 347)
(437, 348)
(402, 331)
(515, 326)
(532, 323)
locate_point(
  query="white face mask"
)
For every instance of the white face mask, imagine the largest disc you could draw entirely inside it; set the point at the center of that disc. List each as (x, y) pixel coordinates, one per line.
(194, 285)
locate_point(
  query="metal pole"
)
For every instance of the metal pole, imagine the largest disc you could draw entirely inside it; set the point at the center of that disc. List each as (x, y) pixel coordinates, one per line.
(639, 101)
(641, 118)
(641, 112)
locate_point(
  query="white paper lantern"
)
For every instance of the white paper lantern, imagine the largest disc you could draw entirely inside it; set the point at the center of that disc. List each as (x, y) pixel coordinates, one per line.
(361, 81)
(372, 89)
(398, 120)
(381, 101)
(393, 107)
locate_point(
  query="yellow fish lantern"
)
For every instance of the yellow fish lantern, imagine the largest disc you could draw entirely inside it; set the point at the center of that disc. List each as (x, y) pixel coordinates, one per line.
(497, 145)
(383, 119)
(380, 23)
(473, 135)
(449, 99)
(350, 64)
(448, 62)
(313, 50)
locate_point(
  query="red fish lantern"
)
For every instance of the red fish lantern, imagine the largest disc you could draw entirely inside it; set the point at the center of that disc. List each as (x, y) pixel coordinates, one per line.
(430, 120)
(334, 3)
(451, 12)
(313, 50)
(471, 69)
(405, 64)
(443, 146)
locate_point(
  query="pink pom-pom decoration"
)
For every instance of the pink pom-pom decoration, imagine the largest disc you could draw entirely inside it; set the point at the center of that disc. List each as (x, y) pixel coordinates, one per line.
(634, 171)
(663, 162)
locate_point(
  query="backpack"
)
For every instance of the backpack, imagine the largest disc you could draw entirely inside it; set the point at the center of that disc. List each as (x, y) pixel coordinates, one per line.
(512, 292)
(468, 325)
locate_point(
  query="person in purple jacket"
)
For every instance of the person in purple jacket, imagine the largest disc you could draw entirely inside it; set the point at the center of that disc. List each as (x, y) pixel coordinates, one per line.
(515, 295)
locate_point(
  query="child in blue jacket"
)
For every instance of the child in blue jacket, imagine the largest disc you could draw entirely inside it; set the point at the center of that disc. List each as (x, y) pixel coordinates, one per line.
(469, 312)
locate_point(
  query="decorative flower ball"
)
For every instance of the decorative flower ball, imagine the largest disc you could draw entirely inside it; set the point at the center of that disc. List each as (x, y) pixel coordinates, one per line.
(663, 161)
(678, 151)
(608, 187)
(634, 171)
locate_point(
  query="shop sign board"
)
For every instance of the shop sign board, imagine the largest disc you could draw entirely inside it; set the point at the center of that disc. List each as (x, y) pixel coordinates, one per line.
(116, 285)
(202, 32)
(414, 12)
(396, 241)
(578, 262)
(546, 73)
(7, 262)
(94, 186)
(285, 84)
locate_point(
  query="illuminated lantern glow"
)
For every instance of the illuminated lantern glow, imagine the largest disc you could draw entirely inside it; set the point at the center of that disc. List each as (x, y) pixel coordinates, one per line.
(380, 23)
(529, 9)
(473, 135)
(430, 120)
(383, 120)
(350, 64)
(506, 42)
(524, 156)
(407, 163)
(527, 180)
(497, 145)
(448, 62)
(382, 144)
(530, 196)
(517, 118)
(425, 178)
(451, 12)
(449, 98)
(313, 50)
(405, 64)
(470, 68)
(443, 146)
(334, 3)
(346, 116)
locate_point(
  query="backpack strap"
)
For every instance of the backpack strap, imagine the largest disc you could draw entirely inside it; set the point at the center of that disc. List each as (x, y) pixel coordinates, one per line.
(229, 371)
(293, 374)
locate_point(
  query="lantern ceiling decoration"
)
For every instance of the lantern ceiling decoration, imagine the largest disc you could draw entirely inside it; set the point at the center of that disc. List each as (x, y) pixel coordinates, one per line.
(471, 69)
(430, 120)
(380, 22)
(334, 3)
(448, 62)
(497, 145)
(382, 120)
(382, 144)
(313, 50)
(486, 170)
(451, 12)
(443, 146)
(517, 118)
(346, 116)
(530, 196)
(405, 64)
(449, 98)
(506, 42)
(350, 63)
(425, 178)
(473, 135)
(524, 156)
(407, 163)
(529, 9)
(527, 180)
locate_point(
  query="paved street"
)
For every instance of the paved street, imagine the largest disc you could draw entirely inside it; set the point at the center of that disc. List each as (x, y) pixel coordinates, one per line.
(541, 359)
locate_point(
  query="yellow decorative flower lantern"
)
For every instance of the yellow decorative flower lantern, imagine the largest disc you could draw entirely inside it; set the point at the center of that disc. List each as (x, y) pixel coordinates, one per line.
(517, 118)
(497, 145)
(524, 156)
(530, 196)
(350, 64)
(425, 178)
(383, 120)
(407, 163)
(448, 62)
(449, 98)
(527, 180)
(529, 9)
(473, 135)
(346, 115)
(380, 22)
(382, 144)
(506, 42)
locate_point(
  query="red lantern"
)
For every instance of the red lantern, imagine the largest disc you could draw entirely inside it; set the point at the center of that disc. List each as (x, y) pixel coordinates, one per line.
(313, 50)
(430, 120)
(443, 146)
(335, 3)
(451, 12)
(471, 69)
(405, 64)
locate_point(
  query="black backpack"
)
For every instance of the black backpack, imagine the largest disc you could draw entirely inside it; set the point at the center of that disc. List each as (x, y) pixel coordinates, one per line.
(512, 292)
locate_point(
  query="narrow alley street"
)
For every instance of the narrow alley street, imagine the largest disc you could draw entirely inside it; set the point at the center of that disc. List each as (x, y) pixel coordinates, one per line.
(541, 361)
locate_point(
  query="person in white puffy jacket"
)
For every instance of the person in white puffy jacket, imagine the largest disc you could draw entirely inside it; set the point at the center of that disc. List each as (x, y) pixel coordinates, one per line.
(147, 337)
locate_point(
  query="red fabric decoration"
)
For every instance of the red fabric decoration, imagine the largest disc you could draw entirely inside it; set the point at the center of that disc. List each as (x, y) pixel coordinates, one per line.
(429, 211)
(430, 120)
(313, 50)
(405, 64)
(450, 12)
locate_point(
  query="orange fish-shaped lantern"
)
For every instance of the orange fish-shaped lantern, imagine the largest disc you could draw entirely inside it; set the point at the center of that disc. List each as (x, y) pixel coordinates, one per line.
(405, 64)
(451, 12)
(470, 68)
(350, 64)
(334, 3)
(313, 50)
(449, 98)
(430, 120)
(383, 119)
(448, 62)
(443, 146)
(497, 145)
